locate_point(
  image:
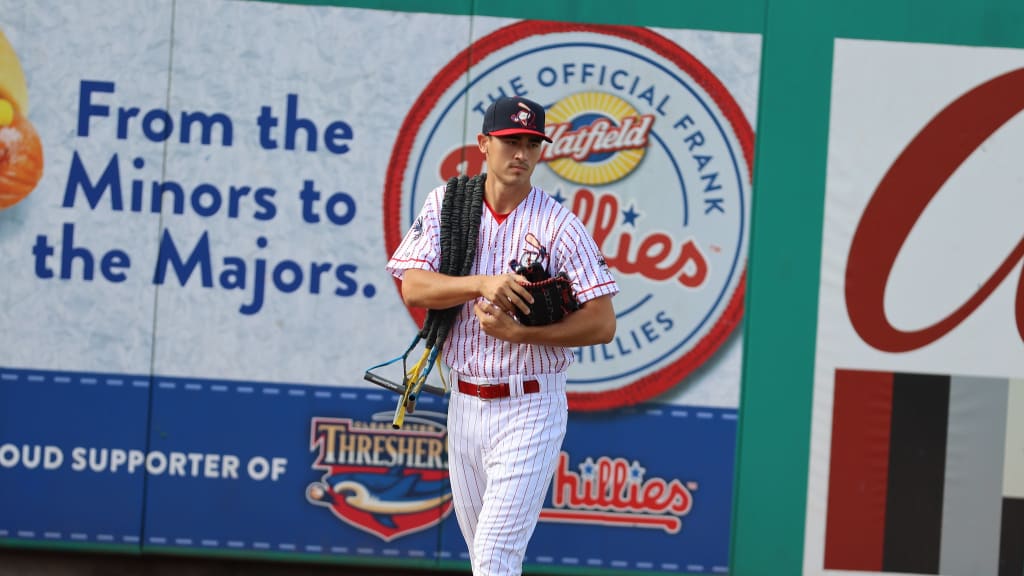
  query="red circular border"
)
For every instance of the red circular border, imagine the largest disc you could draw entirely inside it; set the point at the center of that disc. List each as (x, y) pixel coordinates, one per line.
(657, 382)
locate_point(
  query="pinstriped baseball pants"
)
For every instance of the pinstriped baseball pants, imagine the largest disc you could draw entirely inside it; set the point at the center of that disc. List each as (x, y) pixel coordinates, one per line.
(502, 455)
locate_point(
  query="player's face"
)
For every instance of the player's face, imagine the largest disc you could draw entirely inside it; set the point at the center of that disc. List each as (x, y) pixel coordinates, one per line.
(511, 159)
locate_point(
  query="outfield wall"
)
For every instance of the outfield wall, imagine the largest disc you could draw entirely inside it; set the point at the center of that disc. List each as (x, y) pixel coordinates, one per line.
(820, 328)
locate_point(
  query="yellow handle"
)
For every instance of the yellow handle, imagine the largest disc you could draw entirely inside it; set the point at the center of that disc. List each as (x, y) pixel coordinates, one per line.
(412, 382)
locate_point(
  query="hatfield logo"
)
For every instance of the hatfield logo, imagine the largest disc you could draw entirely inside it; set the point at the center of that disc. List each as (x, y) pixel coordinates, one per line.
(597, 138)
(613, 492)
(382, 481)
(649, 150)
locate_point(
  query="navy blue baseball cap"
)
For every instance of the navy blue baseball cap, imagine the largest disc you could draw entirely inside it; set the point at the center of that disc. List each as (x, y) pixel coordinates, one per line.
(508, 116)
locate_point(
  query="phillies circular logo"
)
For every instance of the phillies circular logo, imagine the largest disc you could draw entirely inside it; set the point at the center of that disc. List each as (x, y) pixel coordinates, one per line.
(650, 151)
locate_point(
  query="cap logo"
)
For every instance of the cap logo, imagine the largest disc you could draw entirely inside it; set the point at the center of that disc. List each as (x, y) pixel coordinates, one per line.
(524, 117)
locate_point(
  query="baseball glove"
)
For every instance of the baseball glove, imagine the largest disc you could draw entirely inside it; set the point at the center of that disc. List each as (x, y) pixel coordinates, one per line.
(553, 299)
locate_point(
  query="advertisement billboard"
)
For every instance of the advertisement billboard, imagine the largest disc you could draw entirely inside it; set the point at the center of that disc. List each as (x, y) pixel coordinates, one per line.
(194, 277)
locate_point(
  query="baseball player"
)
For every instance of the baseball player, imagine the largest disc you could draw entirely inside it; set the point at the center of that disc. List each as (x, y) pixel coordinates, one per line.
(508, 410)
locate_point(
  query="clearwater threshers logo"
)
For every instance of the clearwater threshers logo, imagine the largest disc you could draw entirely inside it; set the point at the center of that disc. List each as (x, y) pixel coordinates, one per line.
(649, 150)
(387, 482)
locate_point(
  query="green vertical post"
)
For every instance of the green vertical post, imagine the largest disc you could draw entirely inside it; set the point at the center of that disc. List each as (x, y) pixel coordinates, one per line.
(782, 293)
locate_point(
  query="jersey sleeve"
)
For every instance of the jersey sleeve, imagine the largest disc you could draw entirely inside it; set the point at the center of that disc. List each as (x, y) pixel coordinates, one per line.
(421, 247)
(580, 258)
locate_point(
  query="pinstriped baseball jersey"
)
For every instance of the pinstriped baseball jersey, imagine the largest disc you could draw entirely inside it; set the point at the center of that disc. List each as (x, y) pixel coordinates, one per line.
(502, 452)
(539, 228)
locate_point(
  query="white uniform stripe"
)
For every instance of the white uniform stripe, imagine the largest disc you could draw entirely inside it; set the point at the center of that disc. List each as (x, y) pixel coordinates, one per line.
(464, 420)
(526, 436)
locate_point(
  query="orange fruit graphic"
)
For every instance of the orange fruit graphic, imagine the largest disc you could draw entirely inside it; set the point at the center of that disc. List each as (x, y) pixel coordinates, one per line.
(21, 160)
(21, 151)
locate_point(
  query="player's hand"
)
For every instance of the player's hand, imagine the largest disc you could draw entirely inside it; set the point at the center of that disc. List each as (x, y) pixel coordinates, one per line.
(496, 322)
(507, 292)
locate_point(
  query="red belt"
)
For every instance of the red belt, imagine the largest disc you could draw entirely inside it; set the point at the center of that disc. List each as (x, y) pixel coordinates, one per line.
(492, 391)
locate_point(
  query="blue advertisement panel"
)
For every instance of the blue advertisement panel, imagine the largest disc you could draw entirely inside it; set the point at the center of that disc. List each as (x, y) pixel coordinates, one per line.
(287, 469)
(260, 467)
(616, 488)
(71, 447)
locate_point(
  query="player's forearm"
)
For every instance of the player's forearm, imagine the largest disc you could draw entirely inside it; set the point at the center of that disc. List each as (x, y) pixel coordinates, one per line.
(594, 323)
(426, 289)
